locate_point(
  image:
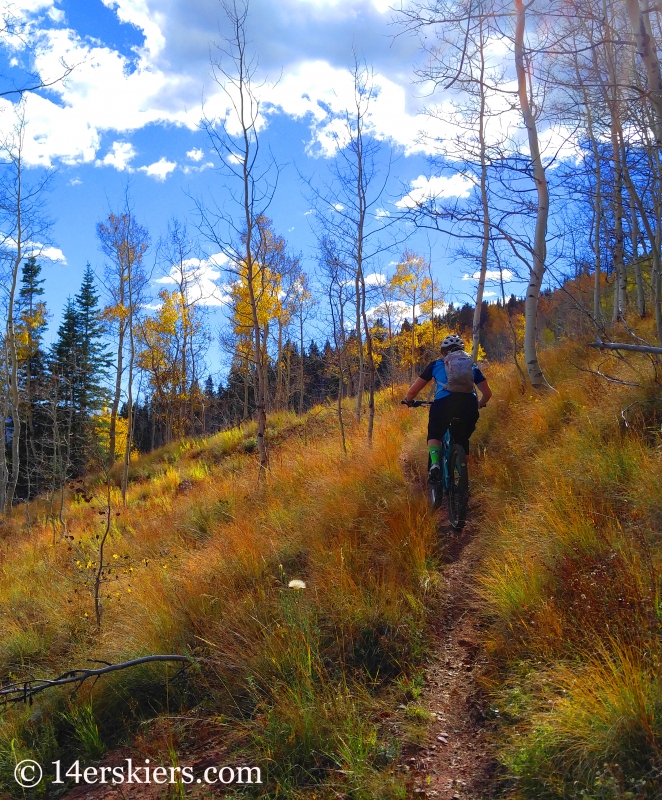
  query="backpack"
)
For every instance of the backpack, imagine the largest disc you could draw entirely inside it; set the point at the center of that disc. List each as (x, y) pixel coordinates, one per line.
(459, 372)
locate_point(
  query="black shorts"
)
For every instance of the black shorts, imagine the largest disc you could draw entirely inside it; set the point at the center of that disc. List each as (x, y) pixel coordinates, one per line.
(462, 405)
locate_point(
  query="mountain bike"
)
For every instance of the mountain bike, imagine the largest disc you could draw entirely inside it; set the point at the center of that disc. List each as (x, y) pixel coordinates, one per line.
(454, 482)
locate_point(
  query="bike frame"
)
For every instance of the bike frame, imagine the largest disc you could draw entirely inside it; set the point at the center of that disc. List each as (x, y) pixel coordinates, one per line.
(446, 484)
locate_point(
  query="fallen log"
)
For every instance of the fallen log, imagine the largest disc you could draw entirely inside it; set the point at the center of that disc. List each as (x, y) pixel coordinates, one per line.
(639, 348)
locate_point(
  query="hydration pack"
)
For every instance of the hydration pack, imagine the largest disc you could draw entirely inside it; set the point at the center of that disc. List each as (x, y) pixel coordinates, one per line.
(459, 372)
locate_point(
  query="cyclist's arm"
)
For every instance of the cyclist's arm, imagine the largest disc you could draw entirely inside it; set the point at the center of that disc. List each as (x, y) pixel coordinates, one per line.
(415, 388)
(485, 393)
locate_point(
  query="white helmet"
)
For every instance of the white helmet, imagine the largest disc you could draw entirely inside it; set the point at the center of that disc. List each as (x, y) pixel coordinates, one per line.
(452, 342)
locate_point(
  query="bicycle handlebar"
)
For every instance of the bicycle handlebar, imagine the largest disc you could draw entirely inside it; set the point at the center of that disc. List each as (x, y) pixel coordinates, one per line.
(417, 403)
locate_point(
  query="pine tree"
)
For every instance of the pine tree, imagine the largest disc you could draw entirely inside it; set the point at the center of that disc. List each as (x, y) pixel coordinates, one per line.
(94, 361)
(30, 328)
(80, 363)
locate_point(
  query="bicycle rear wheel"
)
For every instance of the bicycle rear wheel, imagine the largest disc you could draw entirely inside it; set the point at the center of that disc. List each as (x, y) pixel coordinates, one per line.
(458, 488)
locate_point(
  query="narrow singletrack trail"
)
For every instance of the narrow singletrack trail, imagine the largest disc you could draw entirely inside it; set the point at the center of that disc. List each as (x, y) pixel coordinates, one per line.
(456, 761)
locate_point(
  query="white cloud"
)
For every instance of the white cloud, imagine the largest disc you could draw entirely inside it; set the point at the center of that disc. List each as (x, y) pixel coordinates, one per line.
(375, 279)
(429, 189)
(489, 294)
(202, 280)
(339, 206)
(490, 275)
(75, 182)
(53, 254)
(309, 212)
(160, 169)
(37, 249)
(382, 212)
(400, 311)
(188, 169)
(161, 82)
(119, 156)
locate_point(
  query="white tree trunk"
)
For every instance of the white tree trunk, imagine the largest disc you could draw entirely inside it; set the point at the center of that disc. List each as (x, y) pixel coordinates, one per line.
(537, 271)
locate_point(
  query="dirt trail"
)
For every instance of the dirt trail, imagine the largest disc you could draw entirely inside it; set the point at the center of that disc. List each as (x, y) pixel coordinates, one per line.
(456, 761)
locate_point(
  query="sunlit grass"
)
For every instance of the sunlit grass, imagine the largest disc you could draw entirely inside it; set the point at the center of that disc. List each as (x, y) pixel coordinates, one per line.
(570, 580)
(200, 562)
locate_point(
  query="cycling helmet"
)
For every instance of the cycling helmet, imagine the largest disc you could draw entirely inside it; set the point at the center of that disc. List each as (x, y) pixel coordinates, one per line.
(452, 342)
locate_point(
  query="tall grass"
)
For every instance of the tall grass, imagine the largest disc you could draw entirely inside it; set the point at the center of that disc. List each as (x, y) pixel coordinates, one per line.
(571, 578)
(200, 562)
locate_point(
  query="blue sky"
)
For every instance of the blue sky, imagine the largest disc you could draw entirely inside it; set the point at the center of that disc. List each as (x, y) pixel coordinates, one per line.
(129, 114)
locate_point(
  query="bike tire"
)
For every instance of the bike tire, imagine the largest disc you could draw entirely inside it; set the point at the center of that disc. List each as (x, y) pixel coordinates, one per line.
(458, 489)
(435, 490)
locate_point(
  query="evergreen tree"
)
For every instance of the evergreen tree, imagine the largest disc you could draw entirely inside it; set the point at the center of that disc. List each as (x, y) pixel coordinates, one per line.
(31, 325)
(80, 363)
(94, 360)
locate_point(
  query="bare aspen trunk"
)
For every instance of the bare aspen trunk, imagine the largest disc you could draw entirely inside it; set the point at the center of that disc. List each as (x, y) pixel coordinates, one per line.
(634, 238)
(359, 344)
(371, 364)
(540, 245)
(653, 234)
(619, 262)
(647, 49)
(485, 207)
(413, 338)
(112, 431)
(129, 403)
(278, 400)
(14, 393)
(301, 370)
(4, 413)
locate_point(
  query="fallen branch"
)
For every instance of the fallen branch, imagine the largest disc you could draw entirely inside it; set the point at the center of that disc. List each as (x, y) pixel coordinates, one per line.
(639, 348)
(24, 691)
(608, 378)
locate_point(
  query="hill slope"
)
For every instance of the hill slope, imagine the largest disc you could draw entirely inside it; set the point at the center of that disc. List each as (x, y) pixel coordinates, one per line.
(320, 687)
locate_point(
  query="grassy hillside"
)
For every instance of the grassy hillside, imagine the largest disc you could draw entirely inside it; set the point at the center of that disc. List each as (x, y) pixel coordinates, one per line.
(317, 686)
(300, 682)
(571, 503)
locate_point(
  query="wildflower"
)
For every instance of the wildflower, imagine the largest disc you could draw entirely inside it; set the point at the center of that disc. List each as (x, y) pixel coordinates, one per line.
(296, 584)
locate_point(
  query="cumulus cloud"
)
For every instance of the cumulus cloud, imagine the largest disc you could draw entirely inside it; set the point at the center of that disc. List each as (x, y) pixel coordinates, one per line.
(119, 156)
(202, 276)
(53, 254)
(188, 169)
(160, 169)
(308, 44)
(163, 80)
(490, 275)
(375, 279)
(429, 189)
(399, 311)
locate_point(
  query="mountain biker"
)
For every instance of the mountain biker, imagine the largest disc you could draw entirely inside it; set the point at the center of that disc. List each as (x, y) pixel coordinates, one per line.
(455, 397)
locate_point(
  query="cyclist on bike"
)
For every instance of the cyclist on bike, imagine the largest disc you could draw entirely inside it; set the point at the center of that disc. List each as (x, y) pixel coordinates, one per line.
(455, 398)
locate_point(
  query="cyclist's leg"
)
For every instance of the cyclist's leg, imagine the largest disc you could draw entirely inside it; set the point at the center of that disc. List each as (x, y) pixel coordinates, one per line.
(438, 422)
(465, 409)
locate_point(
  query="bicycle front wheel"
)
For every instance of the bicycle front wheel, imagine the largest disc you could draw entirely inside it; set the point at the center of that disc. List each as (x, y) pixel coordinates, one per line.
(458, 487)
(435, 490)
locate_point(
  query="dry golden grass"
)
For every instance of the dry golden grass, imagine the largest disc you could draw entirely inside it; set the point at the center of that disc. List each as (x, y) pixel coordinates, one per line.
(571, 578)
(199, 563)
